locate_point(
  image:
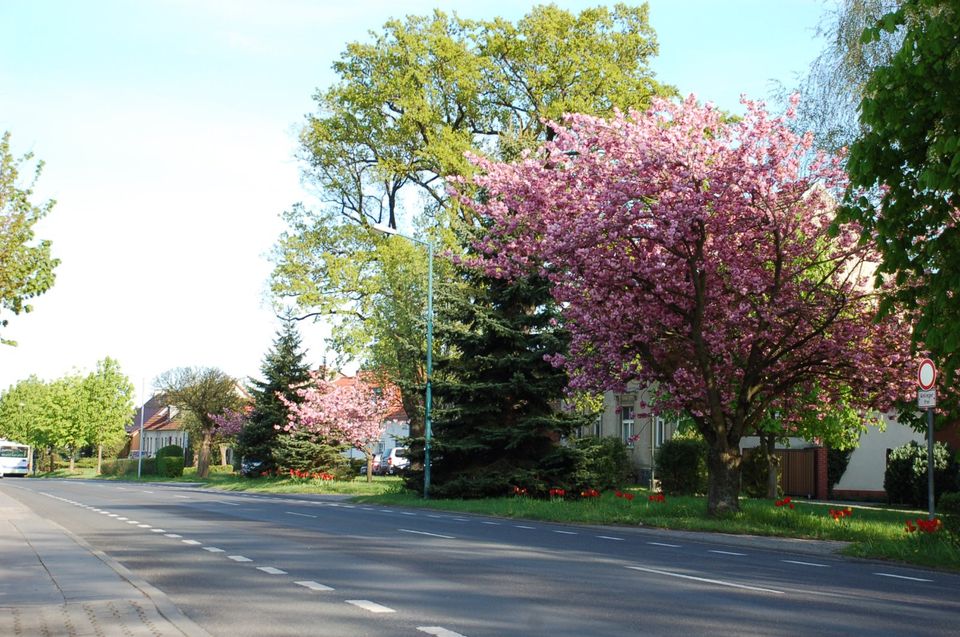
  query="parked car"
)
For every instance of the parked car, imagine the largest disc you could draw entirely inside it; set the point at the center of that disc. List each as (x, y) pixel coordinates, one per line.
(395, 461)
(376, 465)
(251, 467)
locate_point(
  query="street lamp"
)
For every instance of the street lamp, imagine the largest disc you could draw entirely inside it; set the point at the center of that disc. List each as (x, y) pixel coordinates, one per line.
(428, 401)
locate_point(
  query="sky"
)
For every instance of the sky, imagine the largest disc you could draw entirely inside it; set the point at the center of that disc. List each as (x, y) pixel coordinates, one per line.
(169, 133)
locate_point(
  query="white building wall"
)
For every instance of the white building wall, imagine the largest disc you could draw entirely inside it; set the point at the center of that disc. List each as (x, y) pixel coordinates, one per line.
(868, 462)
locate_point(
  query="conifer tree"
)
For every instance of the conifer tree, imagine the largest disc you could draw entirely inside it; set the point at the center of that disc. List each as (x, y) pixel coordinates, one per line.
(497, 424)
(283, 370)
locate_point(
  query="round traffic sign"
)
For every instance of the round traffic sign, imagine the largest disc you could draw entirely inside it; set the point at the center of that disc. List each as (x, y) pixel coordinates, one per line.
(926, 374)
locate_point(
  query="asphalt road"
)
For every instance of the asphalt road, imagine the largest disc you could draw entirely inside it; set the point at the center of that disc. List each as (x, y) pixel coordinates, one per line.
(258, 565)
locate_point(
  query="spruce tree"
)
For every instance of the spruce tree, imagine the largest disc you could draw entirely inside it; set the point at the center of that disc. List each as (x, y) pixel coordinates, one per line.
(497, 423)
(283, 369)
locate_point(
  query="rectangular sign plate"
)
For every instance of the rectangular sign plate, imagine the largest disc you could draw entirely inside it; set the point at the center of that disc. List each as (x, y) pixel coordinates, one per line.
(926, 398)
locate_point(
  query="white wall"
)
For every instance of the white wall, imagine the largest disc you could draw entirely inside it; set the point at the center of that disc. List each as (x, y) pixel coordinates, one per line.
(868, 462)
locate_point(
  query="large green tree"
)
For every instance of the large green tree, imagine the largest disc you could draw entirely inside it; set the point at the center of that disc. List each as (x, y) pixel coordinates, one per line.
(905, 171)
(283, 369)
(391, 133)
(107, 406)
(26, 266)
(498, 422)
(200, 393)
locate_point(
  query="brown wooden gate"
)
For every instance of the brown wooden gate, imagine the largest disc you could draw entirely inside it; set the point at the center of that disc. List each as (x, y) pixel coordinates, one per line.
(798, 475)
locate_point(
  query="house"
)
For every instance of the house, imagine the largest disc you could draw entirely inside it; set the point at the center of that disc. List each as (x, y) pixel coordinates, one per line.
(161, 428)
(627, 416)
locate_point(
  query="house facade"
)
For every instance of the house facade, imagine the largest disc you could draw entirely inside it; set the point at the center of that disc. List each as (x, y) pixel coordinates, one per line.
(161, 428)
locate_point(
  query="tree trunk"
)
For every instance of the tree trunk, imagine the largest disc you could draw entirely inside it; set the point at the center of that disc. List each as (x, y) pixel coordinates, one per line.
(203, 462)
(223, 454)
(73, 460)
(723, 490)
(99, 458)
(369, 465)
(773, 465)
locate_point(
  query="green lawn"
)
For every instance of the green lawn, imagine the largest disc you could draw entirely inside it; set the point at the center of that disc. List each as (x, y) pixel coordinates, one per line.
(873, 532)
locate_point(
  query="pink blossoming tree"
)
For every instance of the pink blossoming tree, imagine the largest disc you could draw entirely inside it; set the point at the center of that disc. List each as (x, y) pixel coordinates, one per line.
(695, 254)
(351, 412)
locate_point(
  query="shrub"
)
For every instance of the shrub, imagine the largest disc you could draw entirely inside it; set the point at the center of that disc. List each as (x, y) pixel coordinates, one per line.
(128, 467)
(602, 464)
(221, 468)
(170, 451)
(837, 461)
(754, 473)
(169, 466)
(905, 480)
(949, 509)
(681, 466)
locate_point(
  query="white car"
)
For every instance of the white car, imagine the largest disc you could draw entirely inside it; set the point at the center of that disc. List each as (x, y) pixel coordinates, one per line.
(395, 461)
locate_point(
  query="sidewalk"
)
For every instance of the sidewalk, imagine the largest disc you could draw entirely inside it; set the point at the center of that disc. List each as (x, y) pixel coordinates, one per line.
(53, 583)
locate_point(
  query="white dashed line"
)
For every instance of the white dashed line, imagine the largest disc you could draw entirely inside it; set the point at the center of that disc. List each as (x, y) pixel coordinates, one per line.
(193, 542)
(173, 535)
(373, 607)
(912, 579)
(133, 522)
(158, 530)
(232, 504)
(406, 513)
(213, 549)
(271, 570)
(805, 563)
(182, 496)
(144, 526)
(520, 526)
(706, 580)
(566, 532)
(446, 537)
(490, 523)
(672, 546)
(314, 586)
(728, 553)
(119, 518)
(302, 515)
(438, 631)
(239, 558)
(609, 537)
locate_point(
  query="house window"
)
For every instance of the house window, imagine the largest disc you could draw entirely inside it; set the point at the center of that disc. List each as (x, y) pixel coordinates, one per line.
(659, 432)
(598, 426)
(626, 424)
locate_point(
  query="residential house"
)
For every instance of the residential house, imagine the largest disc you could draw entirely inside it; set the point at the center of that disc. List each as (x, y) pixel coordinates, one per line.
(161, 428)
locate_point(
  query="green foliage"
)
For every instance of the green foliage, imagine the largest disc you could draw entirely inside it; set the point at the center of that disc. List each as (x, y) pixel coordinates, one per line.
(283, 369)
(905, 174)
(754, 473)
(949, 509)
(125, 467)
(497, 422)
(170, 451)
(682, 466)
(307, 451)
(26, 267)
(169, 466)
(905, 480)
(603, 463)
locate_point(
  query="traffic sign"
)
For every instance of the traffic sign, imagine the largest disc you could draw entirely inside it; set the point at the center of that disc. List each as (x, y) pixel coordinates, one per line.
(926, 374)
(927, 398)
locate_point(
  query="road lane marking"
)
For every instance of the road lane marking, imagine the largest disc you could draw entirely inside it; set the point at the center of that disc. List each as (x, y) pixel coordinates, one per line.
(182, 496)
(239, 558)
(194, 542)
(728, 553)
(672, 546)
(232, 504)
(490, 523)
(271, 570)
(144, 526)
(436, 517)
(566, 532)
(158, 530)
(302, 515)
(314, 586)
(119, 518)
(521, 526)
(133, 521)
(366, 604)
(912, 579)
(213, 549)
(706, 580)
(609, 537)
(145, 491)
(438, 631)
(446, 537)
(407, 513)
(173, 535)
(806, 563)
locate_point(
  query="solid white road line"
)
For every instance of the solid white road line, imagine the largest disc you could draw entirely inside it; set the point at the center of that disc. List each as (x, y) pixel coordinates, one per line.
(271, 570)
(806, 563)
(446, 537)
(438, 631)
(373, 607)
(706, 580)
(912, 579)
(239, 558)
(314, 586)
(672, 546)
(728, 553)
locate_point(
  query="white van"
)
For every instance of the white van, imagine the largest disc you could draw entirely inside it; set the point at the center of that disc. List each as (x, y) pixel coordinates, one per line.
(14, 459)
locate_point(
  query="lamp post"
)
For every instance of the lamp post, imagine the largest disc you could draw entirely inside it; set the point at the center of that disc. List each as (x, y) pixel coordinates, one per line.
(428, 400)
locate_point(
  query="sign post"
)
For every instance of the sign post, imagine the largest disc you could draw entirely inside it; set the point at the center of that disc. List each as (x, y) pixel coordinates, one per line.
(927, 399)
